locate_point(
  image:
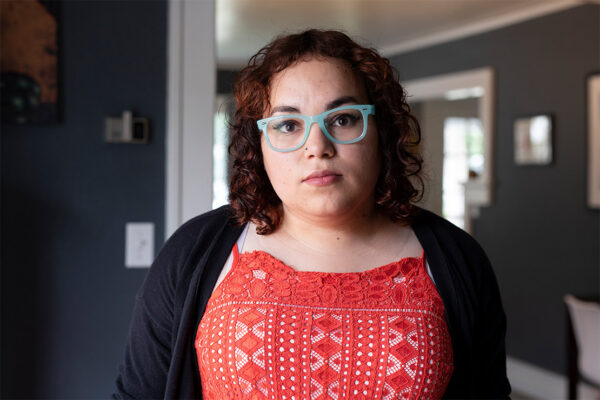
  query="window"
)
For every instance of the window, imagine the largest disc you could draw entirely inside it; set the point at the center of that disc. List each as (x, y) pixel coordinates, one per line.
(220, 155)
(463, 159)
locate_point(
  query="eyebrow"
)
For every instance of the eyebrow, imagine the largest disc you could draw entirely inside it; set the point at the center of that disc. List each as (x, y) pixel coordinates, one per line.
(331, 105)
(342, 100)
(284, 109)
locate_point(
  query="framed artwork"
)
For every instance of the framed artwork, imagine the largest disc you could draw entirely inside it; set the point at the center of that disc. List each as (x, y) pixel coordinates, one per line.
(533, 140)
(29, 61)
(593, 87)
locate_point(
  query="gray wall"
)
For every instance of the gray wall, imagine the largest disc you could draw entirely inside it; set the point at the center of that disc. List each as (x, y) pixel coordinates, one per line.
(66, 196)
(541, 237)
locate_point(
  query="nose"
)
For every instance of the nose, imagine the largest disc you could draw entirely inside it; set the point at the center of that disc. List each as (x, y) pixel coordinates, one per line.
(317, 144)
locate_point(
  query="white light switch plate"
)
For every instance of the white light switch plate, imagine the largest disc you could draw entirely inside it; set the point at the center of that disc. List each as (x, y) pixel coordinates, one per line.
(139, 244)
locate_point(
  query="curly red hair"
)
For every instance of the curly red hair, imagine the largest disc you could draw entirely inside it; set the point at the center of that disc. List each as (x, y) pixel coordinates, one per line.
(399, 184)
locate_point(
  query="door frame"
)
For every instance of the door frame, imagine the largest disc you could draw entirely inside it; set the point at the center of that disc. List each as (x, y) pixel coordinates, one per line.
(191, 90)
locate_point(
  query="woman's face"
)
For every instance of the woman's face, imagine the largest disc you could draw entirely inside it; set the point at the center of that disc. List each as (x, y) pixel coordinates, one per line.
(346, 174)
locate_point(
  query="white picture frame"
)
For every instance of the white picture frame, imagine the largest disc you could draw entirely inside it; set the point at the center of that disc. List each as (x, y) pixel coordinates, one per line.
(593, 86)
(533, 140)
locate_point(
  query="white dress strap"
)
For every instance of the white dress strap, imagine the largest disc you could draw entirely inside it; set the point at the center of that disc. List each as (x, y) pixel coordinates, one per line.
(429, 272)
(242, 239)
(232, 256)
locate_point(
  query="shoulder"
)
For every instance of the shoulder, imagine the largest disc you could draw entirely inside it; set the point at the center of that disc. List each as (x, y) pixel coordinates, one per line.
(203, 224)
(180, 253)
(196, 231)
(459, 250)
(440, 229)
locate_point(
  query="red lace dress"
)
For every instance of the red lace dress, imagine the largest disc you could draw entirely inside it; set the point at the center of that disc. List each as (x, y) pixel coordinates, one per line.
(271, 332)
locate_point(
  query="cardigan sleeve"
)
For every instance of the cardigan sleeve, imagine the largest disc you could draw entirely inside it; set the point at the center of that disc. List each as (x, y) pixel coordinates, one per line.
(476, 319)
(148, 355)
(490, 331)
(481, 300)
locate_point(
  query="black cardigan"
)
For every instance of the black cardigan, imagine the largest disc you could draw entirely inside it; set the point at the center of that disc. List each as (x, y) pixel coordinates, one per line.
(160, 358)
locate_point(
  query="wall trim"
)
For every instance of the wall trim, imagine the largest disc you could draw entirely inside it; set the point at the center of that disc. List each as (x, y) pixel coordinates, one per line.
(540, 383)
(437, 86)
(191, 90)
(475, 28)
(173, 128)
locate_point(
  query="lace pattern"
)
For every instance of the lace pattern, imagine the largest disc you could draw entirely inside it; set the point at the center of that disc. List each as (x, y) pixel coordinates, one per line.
(271, 332)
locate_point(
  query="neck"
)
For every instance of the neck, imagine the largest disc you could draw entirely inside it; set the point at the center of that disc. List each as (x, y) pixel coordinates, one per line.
(327, 235)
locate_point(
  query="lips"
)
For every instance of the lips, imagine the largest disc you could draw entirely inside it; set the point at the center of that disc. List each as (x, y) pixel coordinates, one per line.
(321, 178)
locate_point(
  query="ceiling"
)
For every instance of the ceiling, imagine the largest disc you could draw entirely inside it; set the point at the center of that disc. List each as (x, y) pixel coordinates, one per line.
(392, 26)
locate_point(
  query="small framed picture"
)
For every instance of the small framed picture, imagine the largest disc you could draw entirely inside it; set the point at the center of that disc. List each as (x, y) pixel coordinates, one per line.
(593, 87)
(533, 140)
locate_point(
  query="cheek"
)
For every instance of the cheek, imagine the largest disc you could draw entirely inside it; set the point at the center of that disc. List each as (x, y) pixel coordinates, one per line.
(372, 168)
(376, 151)
(371, 158)
(278, 170)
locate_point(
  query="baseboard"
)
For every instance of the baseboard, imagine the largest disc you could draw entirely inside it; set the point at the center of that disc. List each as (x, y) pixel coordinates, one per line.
(540, 383)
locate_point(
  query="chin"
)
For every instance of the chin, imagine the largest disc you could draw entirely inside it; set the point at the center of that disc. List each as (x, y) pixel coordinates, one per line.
(328, 209)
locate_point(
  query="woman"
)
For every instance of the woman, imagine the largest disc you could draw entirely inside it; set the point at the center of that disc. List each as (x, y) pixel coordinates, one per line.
(321, 279)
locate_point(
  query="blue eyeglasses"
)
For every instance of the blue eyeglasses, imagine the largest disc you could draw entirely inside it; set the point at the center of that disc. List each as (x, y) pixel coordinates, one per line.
(342, 125)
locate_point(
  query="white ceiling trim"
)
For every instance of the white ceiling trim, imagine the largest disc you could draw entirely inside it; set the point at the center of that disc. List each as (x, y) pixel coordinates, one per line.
(479, 27)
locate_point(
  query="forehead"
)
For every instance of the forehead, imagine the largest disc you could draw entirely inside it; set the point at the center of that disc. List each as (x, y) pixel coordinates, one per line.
(314, 79)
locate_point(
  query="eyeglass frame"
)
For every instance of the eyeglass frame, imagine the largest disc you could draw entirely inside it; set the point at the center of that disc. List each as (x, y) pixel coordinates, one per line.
(309, 120)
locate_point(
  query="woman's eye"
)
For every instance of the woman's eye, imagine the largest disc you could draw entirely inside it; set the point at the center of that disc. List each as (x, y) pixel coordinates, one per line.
(343, 120)
(287, 126)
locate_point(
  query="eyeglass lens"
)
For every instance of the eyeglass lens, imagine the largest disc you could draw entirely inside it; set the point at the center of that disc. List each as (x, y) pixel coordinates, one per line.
(288, 132)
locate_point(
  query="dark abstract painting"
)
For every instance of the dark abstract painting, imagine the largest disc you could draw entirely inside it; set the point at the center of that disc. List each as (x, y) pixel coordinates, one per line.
(29, 61)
